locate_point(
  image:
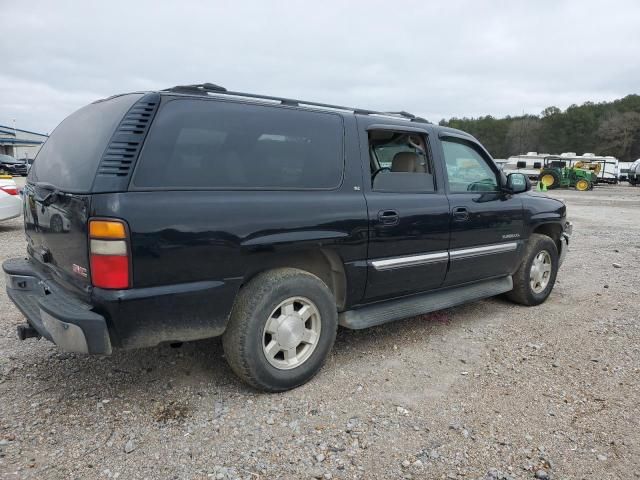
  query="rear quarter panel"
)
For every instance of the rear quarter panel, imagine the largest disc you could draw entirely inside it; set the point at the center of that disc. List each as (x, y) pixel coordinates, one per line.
(215, 240)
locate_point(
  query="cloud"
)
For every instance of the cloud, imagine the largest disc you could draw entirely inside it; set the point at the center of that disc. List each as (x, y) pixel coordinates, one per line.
(459, 58)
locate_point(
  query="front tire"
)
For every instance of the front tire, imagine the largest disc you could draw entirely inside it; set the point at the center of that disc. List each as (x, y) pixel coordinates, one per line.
(281, 330)
(583, 185)
(534, 280)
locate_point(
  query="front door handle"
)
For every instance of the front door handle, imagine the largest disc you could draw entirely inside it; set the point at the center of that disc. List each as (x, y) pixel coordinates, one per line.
(388, 217)
(460, 214)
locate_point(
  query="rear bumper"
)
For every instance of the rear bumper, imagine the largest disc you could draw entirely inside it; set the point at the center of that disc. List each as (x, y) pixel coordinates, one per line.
(108, 319)
(56, 315)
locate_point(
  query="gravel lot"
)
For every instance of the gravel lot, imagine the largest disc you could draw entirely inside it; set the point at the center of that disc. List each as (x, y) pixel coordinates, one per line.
(487, 390)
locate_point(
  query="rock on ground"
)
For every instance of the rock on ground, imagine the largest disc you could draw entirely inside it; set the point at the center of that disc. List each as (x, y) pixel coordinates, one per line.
(551, 388)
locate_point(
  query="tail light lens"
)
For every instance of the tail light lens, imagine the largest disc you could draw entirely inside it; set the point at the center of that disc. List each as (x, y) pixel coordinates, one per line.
(10, 189)
(109, 254)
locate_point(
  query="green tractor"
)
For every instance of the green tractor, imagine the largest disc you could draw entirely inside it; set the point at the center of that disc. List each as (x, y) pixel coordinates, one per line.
(556, 174)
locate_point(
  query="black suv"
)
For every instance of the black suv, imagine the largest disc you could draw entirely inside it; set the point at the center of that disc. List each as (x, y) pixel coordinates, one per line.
(195, 212)
(13, 166)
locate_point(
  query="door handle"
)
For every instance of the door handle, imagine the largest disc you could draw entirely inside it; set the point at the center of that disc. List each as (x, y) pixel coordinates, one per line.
(388, 217)
(460, 214)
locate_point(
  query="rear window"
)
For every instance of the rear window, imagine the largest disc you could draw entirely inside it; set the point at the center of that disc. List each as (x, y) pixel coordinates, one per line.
(69, 158)
(208, 144)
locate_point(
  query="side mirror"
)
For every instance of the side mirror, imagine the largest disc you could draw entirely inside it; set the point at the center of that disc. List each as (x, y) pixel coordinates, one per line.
(518, 183)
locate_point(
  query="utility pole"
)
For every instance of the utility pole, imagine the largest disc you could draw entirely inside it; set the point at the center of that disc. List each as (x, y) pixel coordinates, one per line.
(15, 135)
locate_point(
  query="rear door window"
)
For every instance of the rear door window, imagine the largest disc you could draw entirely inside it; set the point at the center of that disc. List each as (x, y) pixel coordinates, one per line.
(69, 158)
(205, 144)
(400, 162)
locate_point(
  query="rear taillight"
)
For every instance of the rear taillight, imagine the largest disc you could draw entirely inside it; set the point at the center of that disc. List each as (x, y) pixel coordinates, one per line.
(109, 254)
(11, 190)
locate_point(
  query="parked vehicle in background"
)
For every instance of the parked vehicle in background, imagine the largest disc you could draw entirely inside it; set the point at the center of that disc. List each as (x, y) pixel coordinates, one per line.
(195, 212)
(623, 171)
(556, 174)
(13, 166)
(10, 200)
(634, 173)
(609, 166)
(531, 163)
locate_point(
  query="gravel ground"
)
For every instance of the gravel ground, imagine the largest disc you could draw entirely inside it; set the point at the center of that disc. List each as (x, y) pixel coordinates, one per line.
(487, 390)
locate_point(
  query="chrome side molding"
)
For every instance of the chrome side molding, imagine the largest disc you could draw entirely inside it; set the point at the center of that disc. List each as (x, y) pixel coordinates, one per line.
(484, 250)
(436, 257)
(409, 261)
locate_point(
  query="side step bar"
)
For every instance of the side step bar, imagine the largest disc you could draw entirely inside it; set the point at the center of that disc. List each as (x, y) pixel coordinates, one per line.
(407, 307)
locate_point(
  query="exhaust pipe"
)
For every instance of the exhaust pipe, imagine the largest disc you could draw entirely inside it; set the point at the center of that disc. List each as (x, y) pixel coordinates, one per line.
(27, 331)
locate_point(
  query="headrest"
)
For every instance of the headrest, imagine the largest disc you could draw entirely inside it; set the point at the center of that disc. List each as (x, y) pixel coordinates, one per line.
(406, 162)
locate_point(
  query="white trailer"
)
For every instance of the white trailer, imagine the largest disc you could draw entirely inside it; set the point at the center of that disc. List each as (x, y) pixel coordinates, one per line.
(531, 163)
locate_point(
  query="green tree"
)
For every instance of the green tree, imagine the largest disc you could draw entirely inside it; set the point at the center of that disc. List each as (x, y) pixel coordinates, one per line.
(523, 135)
(606, 128)
(619, 135)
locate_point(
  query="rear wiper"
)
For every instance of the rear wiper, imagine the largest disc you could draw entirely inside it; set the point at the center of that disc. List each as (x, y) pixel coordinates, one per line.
(50, 197)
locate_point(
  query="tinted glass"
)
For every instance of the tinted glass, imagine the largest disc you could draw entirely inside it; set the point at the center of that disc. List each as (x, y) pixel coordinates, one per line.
(69, 158)
(217, 144)
(467, 170)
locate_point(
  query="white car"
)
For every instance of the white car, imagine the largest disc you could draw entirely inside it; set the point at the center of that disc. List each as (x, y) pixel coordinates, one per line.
(10, 200)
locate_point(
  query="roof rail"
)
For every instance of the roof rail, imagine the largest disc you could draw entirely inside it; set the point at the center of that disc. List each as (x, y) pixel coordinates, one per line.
(210, 88)
(202, 88)
(408, 115)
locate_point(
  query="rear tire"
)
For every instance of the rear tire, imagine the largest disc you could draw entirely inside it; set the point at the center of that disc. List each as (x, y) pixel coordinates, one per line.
(550, 179)
(278, 301)
(530, 285)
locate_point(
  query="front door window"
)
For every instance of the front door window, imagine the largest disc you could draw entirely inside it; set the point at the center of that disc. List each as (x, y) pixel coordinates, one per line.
(467, 170)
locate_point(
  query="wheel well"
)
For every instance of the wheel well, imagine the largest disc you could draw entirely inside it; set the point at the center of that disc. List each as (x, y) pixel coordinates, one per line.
(324, 264)
(551, 230)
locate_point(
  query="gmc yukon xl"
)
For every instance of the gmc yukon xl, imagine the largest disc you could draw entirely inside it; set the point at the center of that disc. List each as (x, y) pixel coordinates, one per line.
(195, 212)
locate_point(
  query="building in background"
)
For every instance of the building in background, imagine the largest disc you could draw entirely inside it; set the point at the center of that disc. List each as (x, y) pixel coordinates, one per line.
(20, 143)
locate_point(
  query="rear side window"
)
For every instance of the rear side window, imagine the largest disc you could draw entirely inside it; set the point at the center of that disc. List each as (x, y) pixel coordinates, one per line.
(69, 158)
(214, 144)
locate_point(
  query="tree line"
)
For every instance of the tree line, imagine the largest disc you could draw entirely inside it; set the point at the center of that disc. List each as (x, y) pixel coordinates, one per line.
(606, 128)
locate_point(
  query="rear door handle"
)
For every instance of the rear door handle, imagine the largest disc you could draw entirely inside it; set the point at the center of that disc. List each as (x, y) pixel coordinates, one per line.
(388, 217)
(460, 214)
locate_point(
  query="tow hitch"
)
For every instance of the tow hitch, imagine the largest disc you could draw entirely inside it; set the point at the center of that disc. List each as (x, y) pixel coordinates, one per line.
(27, 331)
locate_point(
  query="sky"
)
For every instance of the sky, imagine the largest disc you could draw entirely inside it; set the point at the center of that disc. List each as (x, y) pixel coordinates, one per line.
(434, 59)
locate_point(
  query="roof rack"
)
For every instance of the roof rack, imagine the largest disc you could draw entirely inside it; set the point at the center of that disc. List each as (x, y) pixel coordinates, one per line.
(202, 88)
(210, 88)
